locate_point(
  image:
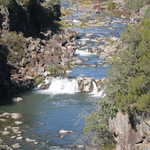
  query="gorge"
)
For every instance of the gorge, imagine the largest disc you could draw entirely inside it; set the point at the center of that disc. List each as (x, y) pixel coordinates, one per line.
(51, 115)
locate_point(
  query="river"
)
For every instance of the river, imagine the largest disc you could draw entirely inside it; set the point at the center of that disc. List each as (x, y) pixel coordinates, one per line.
(63, 106)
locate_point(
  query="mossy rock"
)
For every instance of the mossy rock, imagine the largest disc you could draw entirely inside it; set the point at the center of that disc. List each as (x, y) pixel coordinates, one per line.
(37, 80)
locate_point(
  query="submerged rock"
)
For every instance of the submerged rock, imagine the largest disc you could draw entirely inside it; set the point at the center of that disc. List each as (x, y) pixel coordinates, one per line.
(18, 99)
(5, 147)
(19, 138)
(64, 131)
(18, 122)
(30, 140)
(16, 115)
(16, 146)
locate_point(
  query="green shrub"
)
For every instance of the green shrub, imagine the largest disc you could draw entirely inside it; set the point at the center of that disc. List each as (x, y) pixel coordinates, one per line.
(147, 13)
(135, 5)
(97, 125)
(133, 79)
(128, 84)
(4, 2)
(7, 2)
(38, 80)
(15, 44)
(111, 5)
(57, 70)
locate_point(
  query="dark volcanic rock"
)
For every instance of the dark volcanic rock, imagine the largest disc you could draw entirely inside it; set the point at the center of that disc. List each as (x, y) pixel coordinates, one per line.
(4, 74)
(30, 18)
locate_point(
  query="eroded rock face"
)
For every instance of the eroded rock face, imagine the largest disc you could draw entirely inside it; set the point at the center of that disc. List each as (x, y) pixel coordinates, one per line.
(130, 134)
(89, 85)
(28, 18)
(32, 47)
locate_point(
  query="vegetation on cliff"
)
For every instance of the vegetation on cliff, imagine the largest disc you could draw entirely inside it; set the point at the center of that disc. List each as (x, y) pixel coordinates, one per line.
(135, 5)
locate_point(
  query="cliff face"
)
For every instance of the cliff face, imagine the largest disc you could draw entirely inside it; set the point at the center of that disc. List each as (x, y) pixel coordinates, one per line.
(130, 134)
(30, 18)
(31, 46)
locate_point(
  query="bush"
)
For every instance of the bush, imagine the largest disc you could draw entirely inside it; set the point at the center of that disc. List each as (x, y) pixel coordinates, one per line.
(131, 77)
(135, 5)
(128, 84)
(37, 80)
(111, 5)
(147, 13)
(15, 44)
(97, 126)
(57, 70)
(4, 2)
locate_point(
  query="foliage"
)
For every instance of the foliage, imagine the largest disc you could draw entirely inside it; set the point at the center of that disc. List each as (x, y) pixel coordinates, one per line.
(4, 2)
(66, 12)
(130, 73)
(7, 2)
(111, 5)
(51, 2)
(128, 83)
(135, 5)
(147, 13)
(57, 70)
(38, 80)
(15, 44)
(97, 125)
(129, 78)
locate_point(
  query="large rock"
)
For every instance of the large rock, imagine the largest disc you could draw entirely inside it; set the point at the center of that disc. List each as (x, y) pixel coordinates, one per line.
(130, 134)
(90, 85)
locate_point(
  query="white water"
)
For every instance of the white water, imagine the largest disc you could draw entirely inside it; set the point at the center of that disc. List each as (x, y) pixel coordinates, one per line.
(83, 53)
(62, 86)
(96, 92)
(68, 86)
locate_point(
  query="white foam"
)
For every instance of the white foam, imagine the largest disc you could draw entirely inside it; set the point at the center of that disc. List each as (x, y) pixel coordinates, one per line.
(75, 21)
(85, 39)
(96, 92)
(83, 53)
(62, 86)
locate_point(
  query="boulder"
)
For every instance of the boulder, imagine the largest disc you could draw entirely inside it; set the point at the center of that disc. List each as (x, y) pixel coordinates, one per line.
(16, 146)
(18, 99)
(16, 115)
(90, 85)
(64, 131)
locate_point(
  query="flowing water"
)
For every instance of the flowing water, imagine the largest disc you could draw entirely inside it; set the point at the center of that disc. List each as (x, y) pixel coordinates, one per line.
(62, 106)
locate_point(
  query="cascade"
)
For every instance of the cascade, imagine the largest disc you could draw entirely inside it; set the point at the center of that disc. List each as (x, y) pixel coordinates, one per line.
(62, 86)
(96, 92)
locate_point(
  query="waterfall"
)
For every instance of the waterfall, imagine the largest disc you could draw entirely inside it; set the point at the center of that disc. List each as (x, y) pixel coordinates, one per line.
(70, 86)
(62, 86)
(96, 92)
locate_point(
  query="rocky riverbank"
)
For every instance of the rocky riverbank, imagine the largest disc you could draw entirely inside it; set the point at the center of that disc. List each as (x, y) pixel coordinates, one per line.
(45, 54)
(11, 132)
(31, 48)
